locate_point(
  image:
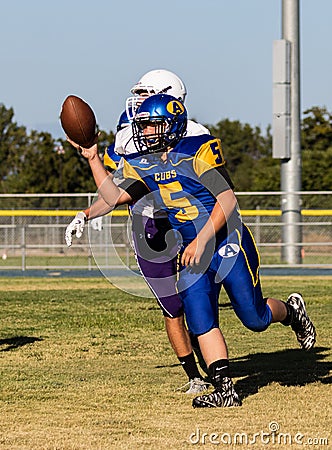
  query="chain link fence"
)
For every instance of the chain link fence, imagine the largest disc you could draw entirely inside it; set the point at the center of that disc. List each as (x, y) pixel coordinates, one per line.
(32, 229)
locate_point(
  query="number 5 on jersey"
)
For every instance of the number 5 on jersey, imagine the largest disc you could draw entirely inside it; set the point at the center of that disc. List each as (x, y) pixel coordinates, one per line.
(171, 195)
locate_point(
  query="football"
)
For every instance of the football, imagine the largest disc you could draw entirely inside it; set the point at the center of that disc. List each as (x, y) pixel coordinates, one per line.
(78, 121)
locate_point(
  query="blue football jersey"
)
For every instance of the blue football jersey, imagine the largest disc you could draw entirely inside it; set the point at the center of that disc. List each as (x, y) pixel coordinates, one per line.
(111, 159)
(176, 182)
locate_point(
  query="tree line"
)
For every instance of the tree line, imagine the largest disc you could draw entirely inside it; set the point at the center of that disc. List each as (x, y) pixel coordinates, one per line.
(35, 162)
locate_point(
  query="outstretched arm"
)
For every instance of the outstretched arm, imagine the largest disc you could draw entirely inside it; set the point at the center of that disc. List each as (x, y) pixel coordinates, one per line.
(76, 227)
(110, 192)
(97, 209)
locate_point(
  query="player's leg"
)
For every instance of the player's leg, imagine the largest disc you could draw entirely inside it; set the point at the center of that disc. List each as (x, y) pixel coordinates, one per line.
(213, 346)
(200, 299)
(242, 285)
(278, 309)
(172, 308)
(180, 341)
(158, 265)
(178, 335)
(197, 350)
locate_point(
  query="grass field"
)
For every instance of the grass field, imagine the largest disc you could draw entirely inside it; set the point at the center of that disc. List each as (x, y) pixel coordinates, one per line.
(87, 366)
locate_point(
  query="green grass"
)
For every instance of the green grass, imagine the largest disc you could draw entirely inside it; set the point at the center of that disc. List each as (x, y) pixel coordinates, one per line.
(87, 366)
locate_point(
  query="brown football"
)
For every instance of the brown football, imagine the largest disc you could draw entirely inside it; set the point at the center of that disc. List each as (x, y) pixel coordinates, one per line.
(78, 121)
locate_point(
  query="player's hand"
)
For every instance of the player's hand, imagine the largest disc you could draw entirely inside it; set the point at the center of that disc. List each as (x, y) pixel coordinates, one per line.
(193, 252)
(76, 226)
(88, 153)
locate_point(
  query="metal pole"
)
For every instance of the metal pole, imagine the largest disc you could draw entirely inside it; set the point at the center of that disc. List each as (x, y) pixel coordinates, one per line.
(291, 168)
(23, 248)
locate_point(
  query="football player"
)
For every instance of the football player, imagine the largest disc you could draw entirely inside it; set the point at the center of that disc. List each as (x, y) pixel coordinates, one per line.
(187, 178)
(150, 227)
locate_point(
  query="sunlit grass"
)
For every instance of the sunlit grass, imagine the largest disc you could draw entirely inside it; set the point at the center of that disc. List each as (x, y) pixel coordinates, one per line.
(87, 366)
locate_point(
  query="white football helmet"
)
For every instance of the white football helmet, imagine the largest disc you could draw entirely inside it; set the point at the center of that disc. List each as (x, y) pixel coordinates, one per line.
(159, 81)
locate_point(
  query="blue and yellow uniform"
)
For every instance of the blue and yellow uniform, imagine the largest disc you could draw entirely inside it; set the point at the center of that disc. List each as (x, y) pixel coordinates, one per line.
(178, 183)
(185, 185)
(111, 159)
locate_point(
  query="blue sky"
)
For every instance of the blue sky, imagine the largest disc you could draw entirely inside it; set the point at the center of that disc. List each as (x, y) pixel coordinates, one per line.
(222, 49)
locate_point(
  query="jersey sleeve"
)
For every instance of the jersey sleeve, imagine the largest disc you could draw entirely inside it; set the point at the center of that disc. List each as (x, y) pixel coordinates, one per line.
(118, 144)
(110, 159)
(136, 189)
(209, 165)
(124, 144)
(133, 184)
(217, 180)
(208, 156)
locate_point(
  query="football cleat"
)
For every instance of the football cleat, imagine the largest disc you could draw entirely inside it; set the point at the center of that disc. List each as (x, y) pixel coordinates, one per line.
(301, 324)
(196, 386)
(222, 397)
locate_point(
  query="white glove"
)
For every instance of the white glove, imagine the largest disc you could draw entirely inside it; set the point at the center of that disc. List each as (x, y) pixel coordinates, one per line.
(75, 226)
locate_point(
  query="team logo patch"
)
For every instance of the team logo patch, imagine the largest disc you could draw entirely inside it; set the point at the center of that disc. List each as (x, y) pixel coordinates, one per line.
(229, 250)
(175, 107)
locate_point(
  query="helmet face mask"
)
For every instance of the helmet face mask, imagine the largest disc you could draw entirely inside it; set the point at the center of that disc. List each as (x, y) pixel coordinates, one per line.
(133, 103)
(159, 124)
(152, 134)
(158, 81)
